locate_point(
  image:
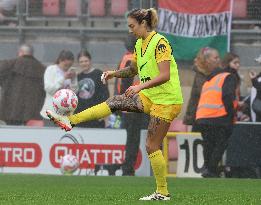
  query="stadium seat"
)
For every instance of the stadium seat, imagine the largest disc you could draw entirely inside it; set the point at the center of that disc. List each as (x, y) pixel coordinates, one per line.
(72, 8)
(239, 9)
(178, 126)
(96, 7)
(51, 7)
(119, 7)
(35, 123)
(173, 149)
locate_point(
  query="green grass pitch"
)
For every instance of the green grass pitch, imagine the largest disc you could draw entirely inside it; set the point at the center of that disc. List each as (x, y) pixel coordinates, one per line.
(19, 189)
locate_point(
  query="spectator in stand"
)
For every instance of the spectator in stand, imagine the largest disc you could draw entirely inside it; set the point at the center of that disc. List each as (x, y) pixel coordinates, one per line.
(200, 68)
(91, 90)
(21, 80)
(7, 9)
(58, 76)
(131, 121)
(231, 64)
(216, 112)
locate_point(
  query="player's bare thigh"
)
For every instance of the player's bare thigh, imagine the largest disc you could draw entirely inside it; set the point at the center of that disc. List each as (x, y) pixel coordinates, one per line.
(123, 103)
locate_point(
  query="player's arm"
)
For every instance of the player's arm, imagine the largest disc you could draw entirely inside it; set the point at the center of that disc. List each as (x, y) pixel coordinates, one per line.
(127, 72)
(131, 68)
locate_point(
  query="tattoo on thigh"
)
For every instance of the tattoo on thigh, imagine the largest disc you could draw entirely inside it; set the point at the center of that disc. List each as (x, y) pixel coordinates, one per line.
(123, 103)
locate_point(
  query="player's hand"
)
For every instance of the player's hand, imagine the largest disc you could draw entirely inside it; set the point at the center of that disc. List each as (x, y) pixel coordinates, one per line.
(132, 90)
(106, 76)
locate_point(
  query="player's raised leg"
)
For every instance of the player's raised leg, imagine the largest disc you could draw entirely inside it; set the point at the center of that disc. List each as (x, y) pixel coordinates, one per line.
(117, 102)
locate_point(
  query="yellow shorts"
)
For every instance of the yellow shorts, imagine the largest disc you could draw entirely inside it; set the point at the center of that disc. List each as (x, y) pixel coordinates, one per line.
(166, 112)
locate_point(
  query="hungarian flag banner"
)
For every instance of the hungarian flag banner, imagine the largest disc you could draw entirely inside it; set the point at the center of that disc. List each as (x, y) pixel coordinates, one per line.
(192, 24)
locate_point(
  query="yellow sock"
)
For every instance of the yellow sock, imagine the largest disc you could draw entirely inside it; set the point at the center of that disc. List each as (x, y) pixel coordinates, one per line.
(158, 165)
(93, 113)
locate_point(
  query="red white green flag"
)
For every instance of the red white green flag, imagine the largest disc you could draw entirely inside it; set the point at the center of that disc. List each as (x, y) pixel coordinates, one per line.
(192, 24)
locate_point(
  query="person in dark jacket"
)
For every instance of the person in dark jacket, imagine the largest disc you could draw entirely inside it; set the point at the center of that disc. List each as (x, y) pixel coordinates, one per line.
(256, 82)
(216, 113)
(231, 64)
(21, 80)
(200, 77)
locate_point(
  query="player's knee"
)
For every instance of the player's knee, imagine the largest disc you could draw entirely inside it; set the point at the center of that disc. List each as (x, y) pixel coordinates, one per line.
(149, 148)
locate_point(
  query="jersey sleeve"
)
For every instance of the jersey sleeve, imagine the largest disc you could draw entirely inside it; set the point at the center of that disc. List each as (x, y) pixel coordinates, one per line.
(163, 51)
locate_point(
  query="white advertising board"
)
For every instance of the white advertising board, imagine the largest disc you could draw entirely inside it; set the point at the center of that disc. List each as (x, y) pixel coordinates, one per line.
(190, 155)
(39, 150)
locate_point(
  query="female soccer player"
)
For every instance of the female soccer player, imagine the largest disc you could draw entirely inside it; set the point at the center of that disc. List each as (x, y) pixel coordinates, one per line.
(158, 94)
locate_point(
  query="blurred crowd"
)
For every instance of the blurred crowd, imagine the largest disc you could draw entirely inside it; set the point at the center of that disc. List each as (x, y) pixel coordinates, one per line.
(216, 104)
(230, 63)
(27, 86)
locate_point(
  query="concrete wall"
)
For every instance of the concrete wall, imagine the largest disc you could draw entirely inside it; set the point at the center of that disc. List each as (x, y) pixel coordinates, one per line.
(105, 50)
(47, 50)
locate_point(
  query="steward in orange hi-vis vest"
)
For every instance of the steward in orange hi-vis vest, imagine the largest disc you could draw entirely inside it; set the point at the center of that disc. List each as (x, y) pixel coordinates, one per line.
(211, 104)
(215, 117)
